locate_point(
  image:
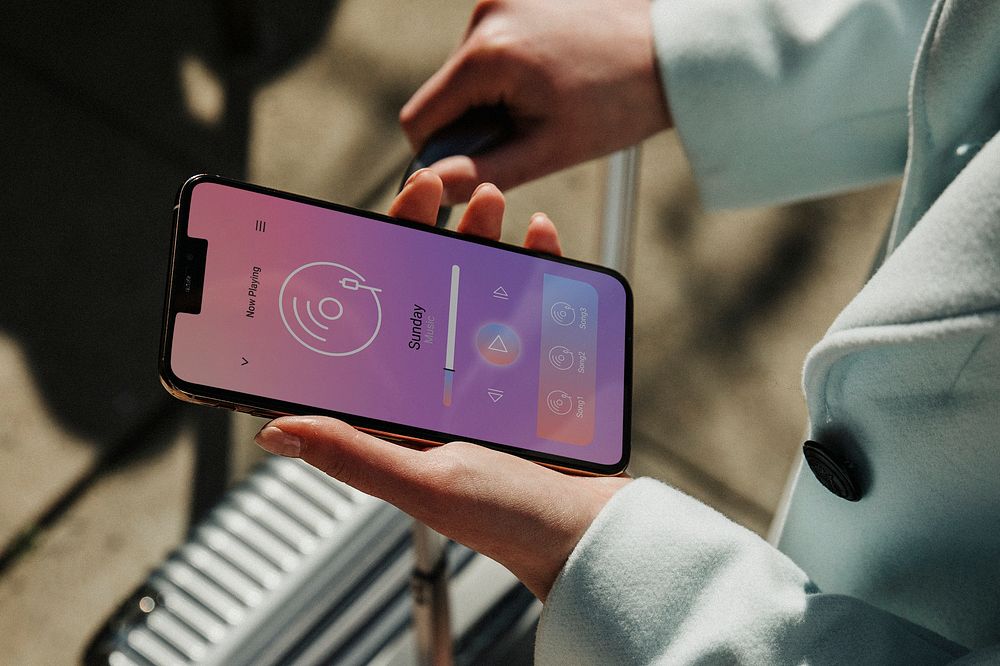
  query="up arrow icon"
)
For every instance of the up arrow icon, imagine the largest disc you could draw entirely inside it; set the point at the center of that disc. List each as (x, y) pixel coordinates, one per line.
(500, 293)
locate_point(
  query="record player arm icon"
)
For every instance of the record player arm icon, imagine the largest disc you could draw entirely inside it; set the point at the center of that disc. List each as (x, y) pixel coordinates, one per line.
(338, 324)
(354, 285)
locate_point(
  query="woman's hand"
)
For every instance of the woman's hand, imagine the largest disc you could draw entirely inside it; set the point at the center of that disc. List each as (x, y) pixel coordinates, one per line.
(579, 78)
(527, 517)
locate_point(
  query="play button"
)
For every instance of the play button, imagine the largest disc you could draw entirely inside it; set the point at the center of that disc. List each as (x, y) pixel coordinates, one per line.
(498, 344)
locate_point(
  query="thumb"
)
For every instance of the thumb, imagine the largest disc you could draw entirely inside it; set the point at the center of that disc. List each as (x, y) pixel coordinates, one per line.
(374, 466)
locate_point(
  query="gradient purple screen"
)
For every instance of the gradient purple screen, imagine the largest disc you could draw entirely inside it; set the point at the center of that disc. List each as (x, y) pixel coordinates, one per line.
(357, 316)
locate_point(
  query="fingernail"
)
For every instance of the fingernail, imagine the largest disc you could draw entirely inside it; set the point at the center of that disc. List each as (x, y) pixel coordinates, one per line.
(538, 218)
(484, 186)
(413, 176)
(273, 439)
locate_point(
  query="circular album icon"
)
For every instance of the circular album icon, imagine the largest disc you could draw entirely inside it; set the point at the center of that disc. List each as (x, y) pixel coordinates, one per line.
(563, 313)
(561, 358)
(329, 309)
(559, 402)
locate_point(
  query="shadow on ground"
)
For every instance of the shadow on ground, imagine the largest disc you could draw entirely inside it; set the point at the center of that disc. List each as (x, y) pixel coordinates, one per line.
(104, 116)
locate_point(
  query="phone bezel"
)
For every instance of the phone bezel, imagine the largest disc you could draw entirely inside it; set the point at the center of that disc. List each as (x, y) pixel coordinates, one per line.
(270, 407)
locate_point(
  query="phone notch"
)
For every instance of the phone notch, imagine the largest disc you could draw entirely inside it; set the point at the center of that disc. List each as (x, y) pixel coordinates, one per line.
(189, 272)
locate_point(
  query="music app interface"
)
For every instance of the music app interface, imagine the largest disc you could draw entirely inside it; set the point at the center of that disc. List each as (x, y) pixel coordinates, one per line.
(325, 308)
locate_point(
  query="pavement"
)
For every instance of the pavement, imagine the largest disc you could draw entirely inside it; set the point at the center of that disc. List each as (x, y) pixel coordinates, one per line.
(107, 108)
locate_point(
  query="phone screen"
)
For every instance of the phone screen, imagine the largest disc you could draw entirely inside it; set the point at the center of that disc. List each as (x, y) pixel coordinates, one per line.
(390, 324)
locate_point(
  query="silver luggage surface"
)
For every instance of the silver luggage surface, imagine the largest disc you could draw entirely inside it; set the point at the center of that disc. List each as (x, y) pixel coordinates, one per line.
(295, 567)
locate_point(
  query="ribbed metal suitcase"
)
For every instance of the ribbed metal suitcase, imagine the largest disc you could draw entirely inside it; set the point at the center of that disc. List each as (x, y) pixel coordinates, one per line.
(295, 567)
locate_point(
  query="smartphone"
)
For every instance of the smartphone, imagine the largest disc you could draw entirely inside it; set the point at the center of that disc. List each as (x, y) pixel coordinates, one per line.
(280, 304)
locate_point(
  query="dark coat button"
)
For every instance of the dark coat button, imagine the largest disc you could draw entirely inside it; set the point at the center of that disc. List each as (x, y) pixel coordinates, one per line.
(836, 473)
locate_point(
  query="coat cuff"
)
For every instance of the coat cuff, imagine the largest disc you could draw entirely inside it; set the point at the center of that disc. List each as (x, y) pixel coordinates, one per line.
(636, 573)
(776, 100)
(661, 578)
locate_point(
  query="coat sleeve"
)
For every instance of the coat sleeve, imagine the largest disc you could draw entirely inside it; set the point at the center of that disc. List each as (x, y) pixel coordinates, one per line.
(661, 578)
(776, 100)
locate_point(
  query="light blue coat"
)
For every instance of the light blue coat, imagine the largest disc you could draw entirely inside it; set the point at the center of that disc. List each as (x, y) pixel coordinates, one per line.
(779, 99)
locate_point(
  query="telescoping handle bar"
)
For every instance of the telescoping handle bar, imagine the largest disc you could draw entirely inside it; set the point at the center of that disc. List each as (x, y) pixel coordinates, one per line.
(477, 131)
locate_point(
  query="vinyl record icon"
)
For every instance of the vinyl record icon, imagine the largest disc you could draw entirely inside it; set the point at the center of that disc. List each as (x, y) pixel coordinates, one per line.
(330, 309)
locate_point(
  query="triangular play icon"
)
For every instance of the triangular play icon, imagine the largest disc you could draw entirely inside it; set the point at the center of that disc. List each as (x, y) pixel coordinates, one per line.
(498, 346)
(495, 394)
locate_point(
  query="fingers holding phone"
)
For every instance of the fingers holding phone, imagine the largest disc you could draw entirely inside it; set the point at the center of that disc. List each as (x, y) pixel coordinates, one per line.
(527, 517)
(280, 305)
(421, 196)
